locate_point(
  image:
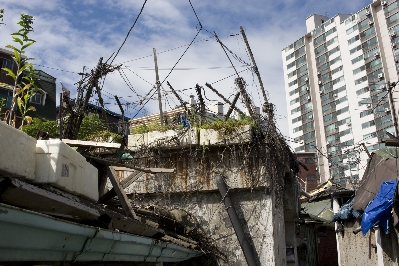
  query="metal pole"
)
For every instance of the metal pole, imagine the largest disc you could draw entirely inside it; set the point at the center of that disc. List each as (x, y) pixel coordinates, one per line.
(61, 107)
(393, 112)
(233, 104)
(253, 62)
(246, 249)
(158, 86)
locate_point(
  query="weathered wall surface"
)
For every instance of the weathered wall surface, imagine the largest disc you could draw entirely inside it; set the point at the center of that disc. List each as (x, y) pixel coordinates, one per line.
(261, 219)
(360, 250)
(242, 166)
(356, 249)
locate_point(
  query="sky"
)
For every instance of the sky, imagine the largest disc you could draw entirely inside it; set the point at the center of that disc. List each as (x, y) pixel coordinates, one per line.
(71, 35)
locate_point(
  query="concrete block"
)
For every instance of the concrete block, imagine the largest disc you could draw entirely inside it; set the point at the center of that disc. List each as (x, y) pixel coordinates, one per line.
(17, 156)
(61, 166)
(136, 141)
(173, 138)
(211, 137)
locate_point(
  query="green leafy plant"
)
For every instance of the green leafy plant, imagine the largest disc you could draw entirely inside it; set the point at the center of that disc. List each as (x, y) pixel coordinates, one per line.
(24, 79)
(154, 126)
(93, 128)
(227, 127)
(37, 124)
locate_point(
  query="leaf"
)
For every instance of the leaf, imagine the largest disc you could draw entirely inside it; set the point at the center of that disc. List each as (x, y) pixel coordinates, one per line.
(22, 69)
(16, 39)
(17, 56)
(9, 73)
(26, 98)
(19, 103)
(31, 108)
(27, 45)
(13, 48)
(28, 119)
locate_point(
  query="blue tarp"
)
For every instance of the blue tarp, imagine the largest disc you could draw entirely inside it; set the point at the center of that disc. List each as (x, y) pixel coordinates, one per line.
(346, 212)
(379, 209)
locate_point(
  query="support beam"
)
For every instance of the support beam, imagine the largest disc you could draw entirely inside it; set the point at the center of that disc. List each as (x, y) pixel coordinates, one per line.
(255, 68)
(158, 87)
(127, 207)
(224, 98)
(124, 184)
(246, 248)
(232, 106)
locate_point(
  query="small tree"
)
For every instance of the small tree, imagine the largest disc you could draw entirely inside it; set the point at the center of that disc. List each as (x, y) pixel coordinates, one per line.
(24, 80)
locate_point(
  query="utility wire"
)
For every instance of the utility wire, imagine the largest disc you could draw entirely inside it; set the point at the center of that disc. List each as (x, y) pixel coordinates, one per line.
(127, 35)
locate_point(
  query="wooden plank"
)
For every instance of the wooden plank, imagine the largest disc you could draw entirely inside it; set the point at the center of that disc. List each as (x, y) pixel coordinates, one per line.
(127, 207)
(129, 167)
(145, 170)
(81, 143)
(124, 183)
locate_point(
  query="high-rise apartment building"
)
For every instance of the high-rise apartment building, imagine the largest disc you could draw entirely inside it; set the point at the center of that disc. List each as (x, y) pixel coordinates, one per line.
(337, 87)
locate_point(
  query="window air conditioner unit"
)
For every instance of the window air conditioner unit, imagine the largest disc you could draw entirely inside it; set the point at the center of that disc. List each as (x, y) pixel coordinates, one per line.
(336, 126)
(349, 124)
(320, 82)
(310, 117)
(368, 13)
(328, 143)
(393, 45)
(366, 89)
(308, 98)
(306, 79)
(371, 23)
(384, 3)
(383, 87)
(321, 91)
(368, 106)
(318, 73)
(329, 164)
(387, 110)
(392, 34)
(316, 169)
(335, 95)
(307, 89)
(376, 54)
(381, 75)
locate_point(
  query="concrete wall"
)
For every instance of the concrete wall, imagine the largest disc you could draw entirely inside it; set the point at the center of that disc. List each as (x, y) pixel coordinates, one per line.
(360, 250)
(262, 220)
(196, 169)
(264, 196)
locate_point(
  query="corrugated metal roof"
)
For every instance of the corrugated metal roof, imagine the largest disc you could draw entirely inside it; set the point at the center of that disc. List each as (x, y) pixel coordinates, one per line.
(29, 236)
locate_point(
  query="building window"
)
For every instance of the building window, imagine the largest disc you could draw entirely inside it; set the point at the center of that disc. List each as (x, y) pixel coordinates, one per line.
(6, 63)
(39, 98)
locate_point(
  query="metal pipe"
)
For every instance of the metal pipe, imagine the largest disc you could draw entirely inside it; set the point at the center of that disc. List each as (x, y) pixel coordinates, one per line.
(336, 208)
(306, 194)
(246, 249)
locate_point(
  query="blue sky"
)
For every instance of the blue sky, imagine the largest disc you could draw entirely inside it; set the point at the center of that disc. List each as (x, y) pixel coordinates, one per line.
(73, 34)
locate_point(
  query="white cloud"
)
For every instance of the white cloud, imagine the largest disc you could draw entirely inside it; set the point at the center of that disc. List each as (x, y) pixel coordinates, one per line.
(73, 34)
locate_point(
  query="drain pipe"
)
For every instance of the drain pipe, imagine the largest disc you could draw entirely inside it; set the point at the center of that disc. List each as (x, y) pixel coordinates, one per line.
(246, 249)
